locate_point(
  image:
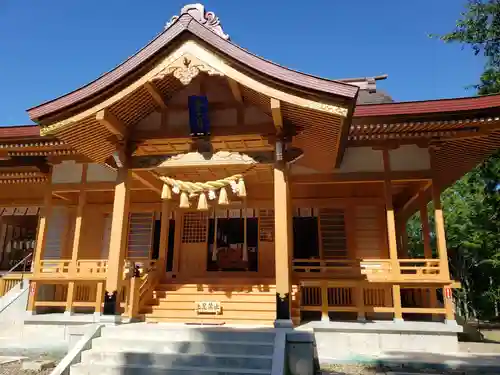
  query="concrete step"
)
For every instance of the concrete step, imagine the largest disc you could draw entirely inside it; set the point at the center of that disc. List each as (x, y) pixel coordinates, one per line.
(168, 361)
(84, 369)
(144, 331)
(193, 347)
(227, 313)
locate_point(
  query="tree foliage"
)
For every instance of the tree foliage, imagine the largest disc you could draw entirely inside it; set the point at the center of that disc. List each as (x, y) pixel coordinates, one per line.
(472, 204)
(479, 28)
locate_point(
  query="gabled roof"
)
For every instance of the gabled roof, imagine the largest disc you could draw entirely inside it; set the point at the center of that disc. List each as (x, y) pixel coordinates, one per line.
(206, 27)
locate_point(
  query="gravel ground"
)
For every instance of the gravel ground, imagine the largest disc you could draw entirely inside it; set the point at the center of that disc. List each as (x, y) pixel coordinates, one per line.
(370, 370)
(15, 368)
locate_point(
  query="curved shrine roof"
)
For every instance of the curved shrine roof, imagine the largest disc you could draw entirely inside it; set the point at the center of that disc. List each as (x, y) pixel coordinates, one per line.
(206, 27)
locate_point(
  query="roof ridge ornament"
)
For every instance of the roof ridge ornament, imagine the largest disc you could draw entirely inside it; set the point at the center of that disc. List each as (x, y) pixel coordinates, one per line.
(207, 19)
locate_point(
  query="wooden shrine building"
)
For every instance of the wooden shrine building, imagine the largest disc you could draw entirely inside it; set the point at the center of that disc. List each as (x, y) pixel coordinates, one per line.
(198, 182)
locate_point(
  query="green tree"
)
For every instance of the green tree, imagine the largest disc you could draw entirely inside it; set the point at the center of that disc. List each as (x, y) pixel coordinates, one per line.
(472, 205)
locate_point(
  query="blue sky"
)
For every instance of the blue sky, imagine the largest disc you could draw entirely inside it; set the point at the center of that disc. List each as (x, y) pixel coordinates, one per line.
(50, 47)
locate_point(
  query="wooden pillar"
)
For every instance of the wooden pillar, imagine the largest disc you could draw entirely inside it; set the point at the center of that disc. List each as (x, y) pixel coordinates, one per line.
(404, 239)
(41, 234)
(426, 239)
(391, 222)
(440, 231)
(164, 230)
(282, 223)
(177, 241)
(76, 241)
(442, 251)
(118, 240)
(391, 234)
(426, 232)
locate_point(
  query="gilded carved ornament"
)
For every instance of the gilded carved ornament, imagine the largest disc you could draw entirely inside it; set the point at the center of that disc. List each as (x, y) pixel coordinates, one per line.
(329, 108)
(186, 70)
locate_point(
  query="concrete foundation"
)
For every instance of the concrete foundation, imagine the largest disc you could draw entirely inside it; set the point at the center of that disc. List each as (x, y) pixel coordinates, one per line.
(339, 342)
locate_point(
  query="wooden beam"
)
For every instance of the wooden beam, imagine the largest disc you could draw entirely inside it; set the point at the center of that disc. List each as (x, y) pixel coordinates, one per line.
(235, 89)
(218, 134)
(92, 186)
(276, 113)
(409, 196)
(360, 177)
(155, 94)
(60, 196)
(112, 123)
(148, 180)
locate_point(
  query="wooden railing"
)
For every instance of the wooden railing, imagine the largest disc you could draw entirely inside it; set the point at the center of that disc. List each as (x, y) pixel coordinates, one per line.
(141, 290)
(81, 269)
(369, 269)
(66, 294)
(327, 296)
(53, 267)
(419, 268)
(8, 282)
(14, 275)
(91, 268)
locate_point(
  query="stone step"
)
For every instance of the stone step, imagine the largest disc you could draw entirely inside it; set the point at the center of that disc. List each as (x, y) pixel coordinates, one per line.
(146, 331)
(168, 361)
(84, 369)
(162, 345)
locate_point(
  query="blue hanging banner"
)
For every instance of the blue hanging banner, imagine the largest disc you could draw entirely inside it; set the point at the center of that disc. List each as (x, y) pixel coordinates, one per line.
(199, 121)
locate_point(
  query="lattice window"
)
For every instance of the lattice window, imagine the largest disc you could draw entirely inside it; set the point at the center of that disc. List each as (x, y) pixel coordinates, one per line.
(194, 229)
(140, 235)
(333, 233)
(266, 225)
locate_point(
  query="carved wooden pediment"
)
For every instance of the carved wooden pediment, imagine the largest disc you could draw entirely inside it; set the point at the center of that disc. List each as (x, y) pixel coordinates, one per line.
(194, 159)
(207, 159)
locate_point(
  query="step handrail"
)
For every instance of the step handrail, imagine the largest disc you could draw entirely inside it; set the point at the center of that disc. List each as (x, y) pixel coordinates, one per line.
(18, 264)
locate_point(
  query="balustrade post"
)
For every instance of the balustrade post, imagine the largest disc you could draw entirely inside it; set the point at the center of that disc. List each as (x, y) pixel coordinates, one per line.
(33, 291)
(98, 298)
(70, 297)
(324, 302)
(360, 302)
(133, 303)
(396, 300)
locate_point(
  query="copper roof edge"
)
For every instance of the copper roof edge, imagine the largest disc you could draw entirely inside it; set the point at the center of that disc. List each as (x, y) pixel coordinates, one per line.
(430, 106)
(181, 24)
(362, 79)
